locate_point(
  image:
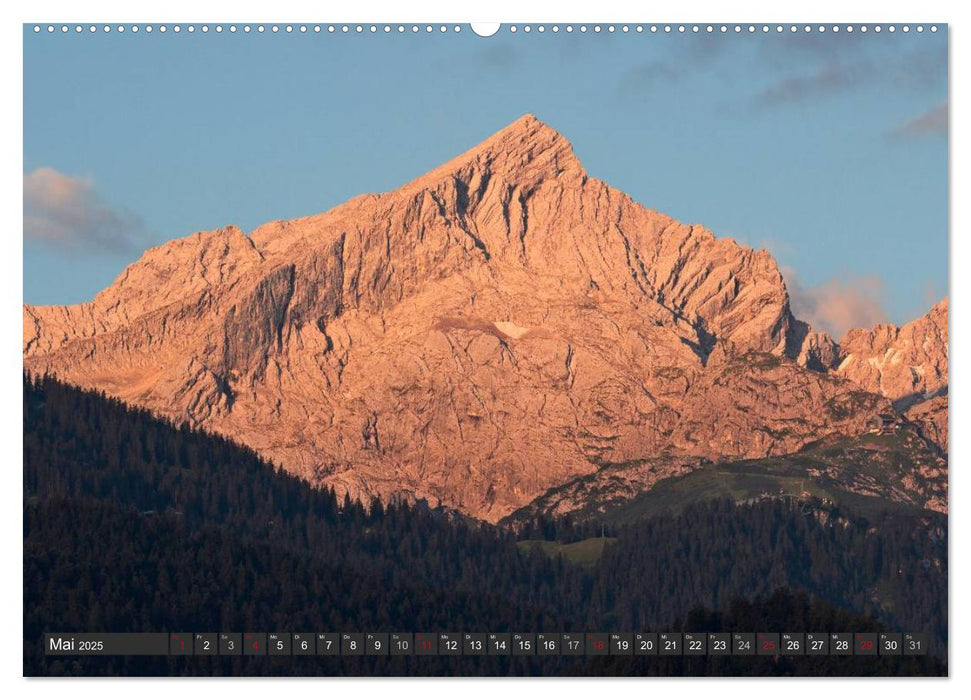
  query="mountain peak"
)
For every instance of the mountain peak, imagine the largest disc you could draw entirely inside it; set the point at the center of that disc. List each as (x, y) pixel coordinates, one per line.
(526, 152)
(487, 332)
(908, 363)
(526, 127)
(528, 139)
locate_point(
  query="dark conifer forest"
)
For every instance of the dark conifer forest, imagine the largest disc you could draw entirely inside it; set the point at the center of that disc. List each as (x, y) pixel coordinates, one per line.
(133, 524)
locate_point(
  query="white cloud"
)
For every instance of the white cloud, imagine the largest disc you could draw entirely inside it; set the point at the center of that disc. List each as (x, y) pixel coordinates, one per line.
(68, 215)
(839, 304)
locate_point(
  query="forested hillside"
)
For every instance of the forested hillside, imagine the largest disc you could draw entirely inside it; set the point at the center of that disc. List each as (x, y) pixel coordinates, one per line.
(133, 524)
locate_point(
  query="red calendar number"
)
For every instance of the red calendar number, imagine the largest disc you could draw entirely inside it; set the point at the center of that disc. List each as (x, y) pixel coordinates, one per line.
(866, 645)
(768, 645)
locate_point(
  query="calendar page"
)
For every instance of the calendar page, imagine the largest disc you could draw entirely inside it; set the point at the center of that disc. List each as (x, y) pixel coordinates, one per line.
(523, 349)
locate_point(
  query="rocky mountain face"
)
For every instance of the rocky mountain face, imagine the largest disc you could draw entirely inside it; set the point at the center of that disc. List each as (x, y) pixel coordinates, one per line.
(908, 365)
(498, 327)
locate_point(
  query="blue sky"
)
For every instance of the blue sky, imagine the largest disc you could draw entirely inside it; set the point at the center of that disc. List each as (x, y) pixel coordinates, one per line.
(829, 150)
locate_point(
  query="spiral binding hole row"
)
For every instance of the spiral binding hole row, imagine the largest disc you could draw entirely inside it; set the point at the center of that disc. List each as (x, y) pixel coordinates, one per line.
(512, 29)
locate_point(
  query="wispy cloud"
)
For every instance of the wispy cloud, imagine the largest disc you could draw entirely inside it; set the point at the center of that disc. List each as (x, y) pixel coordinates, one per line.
(499, 55)
(67, 214)
(694, 57)
(647, 75)
(930, 123)
(826, 80)
(839, 304)
(919, 70)
(838, 68)
(796, 49)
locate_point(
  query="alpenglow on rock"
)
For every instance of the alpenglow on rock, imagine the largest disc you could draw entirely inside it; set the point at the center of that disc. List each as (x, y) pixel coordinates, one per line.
(495, 328)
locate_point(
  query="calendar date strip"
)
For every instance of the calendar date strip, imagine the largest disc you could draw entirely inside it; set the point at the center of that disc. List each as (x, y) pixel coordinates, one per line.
(487, 644)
